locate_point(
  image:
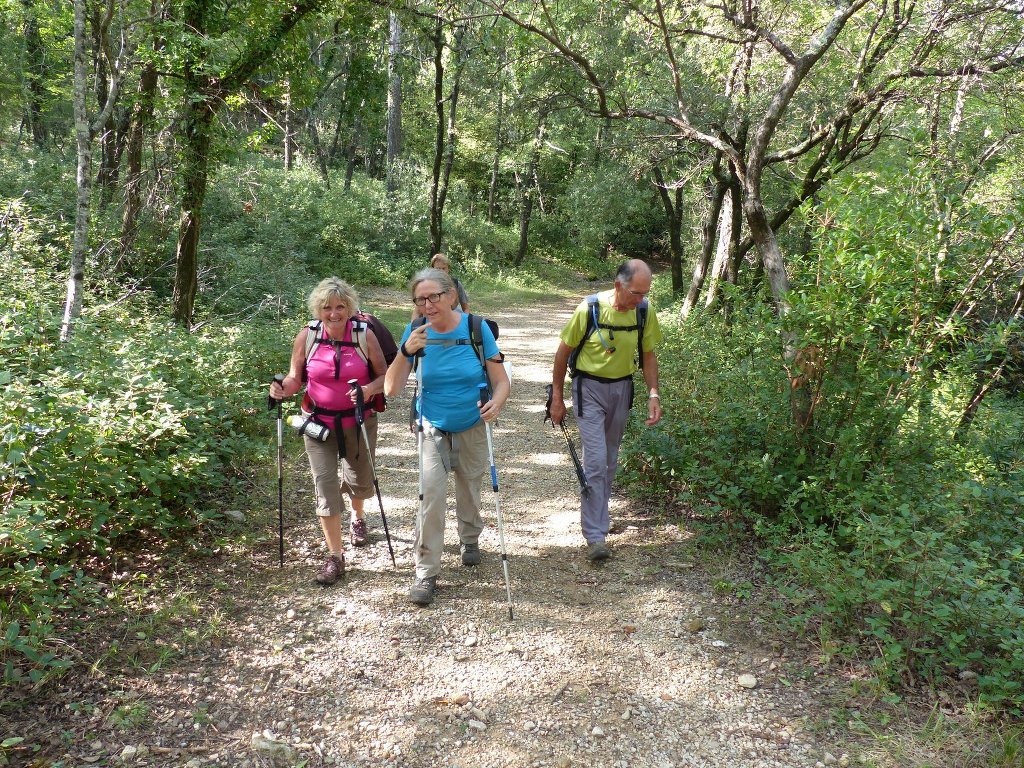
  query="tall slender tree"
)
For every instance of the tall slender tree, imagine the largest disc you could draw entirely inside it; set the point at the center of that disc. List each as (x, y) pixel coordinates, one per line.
(207, 84)
(394, 123)
(85, 133)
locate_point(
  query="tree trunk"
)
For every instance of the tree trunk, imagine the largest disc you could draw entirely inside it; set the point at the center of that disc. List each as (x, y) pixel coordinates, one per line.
(84, 134)
(195, 162)
(394, 124)
(289, 140)
(453, 108)
(529, 184)
(768, 250)
(722, 239)
(83, 178)
(674, 219)
(35, 73)
(435, 176)
(106, 177)
(735, 256)
(445, 144)
(709, 230)
(142, 114)
(492, 190)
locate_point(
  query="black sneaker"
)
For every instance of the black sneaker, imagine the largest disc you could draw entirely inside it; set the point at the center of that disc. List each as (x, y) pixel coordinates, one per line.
(422, 590)
(471, 554)
(597, 550)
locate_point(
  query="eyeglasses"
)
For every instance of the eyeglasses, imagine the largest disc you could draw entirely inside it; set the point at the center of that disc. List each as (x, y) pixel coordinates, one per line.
(639, 294)
(433, 298)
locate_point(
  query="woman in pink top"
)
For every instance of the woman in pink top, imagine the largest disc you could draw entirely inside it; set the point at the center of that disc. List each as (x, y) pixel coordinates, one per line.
(326, 366)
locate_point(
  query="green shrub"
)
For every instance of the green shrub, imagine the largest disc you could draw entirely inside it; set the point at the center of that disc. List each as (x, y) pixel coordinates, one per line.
(125, 436)
(882, 531)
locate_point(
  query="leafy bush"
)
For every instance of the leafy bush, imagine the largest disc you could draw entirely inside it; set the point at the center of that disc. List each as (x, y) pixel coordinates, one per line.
(882, 530)
(272, 234)
(124, 436)
(608, 206)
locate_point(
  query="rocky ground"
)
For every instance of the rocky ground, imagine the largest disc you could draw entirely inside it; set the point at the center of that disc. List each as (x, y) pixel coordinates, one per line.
(636, 662)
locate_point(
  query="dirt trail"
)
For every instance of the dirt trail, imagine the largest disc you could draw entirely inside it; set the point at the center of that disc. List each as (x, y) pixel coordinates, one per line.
(633, 662)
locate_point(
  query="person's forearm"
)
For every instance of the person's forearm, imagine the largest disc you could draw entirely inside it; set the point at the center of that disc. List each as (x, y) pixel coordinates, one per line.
(558, 371)
(651, 374)
(397, 375)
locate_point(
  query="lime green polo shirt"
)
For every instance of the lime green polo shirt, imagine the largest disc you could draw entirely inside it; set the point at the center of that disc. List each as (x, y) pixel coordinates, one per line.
(597, 360)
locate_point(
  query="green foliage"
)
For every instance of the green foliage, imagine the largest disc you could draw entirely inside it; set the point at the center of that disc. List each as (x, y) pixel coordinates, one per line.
(118, 439)
(605, 205)
(885, 534)
(276, 233)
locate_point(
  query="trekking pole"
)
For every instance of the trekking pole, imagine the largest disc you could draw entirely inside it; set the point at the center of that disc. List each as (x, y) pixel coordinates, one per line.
(271, 402)
(361, 421)
(418, 404)
(484, 396)
(581, 476)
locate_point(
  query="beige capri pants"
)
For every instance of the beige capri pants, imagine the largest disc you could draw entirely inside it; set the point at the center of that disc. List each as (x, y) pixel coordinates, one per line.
(357, 473)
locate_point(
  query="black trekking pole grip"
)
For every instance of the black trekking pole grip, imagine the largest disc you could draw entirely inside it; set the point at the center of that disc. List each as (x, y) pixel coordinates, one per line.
(360, 402)
(271, 402)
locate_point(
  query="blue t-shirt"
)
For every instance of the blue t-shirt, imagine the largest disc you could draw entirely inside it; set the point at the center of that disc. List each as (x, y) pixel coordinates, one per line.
(451, 376)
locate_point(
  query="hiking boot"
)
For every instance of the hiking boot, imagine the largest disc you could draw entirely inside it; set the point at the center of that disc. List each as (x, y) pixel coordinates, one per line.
(360, 536)
(422, 590)
(334, 569)
(471, 554)
(597, 550)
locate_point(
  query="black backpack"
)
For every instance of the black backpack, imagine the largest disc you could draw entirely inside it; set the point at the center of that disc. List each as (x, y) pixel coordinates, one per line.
(593, 325)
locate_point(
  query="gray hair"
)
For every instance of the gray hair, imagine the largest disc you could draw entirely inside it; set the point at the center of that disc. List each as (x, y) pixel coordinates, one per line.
(628, 269)
(320, 296)
(443, 279)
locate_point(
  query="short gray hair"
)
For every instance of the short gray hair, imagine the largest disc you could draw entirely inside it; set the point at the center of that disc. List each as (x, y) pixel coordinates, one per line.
(628, 269)
(443, 279)
(328, 287)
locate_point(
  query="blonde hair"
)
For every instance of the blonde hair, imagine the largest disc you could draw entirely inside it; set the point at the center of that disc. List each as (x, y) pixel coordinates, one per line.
(320, 296)
(440, 261)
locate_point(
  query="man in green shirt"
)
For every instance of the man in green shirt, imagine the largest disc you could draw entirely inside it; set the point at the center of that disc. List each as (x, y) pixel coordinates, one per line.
(603, 385)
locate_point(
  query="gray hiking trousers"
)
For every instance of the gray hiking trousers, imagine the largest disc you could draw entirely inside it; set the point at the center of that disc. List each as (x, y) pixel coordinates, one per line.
(602, 411)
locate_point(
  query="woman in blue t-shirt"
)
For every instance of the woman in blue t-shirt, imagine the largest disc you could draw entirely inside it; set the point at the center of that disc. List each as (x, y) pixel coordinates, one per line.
(452, 433)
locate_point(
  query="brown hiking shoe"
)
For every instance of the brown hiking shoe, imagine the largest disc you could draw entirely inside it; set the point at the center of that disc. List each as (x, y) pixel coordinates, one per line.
(360, 536)
(334, 569)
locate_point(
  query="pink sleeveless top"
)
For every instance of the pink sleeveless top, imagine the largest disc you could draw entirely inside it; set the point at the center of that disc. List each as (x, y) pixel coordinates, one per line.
(328, 371)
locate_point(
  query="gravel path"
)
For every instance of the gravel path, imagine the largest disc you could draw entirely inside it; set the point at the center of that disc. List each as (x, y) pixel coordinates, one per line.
(633, 662)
